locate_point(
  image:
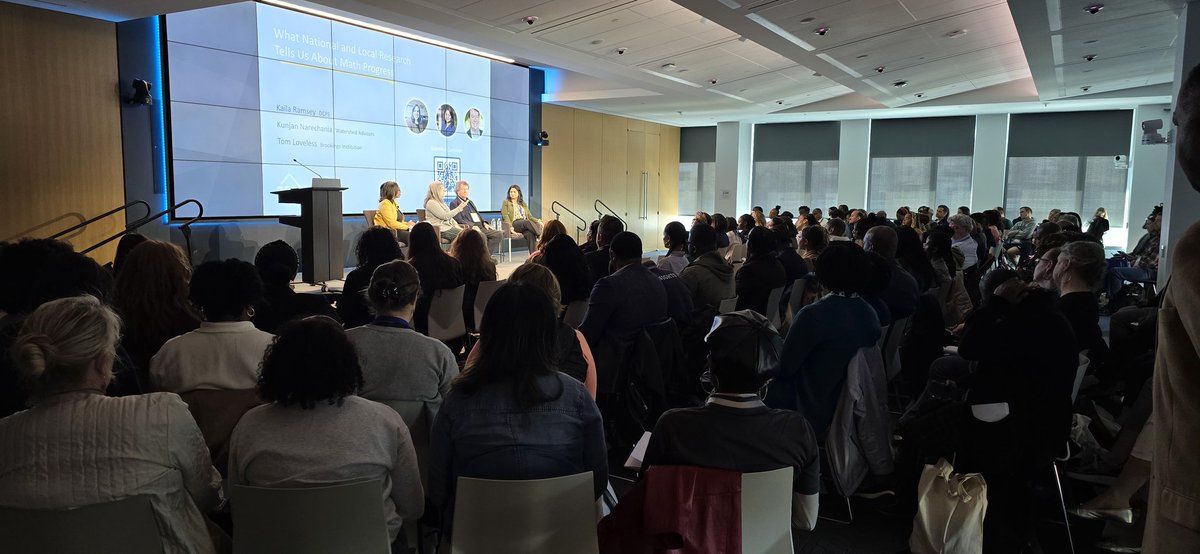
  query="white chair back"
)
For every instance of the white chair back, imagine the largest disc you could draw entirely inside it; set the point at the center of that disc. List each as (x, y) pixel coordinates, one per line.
(773, 299)
(418, 417)
(125, 526)
(519, 517)
(485, 292)
(575, 312)
(445, 314)
(1079, 372)
(338, 518)
(727, 305)
(767, 512)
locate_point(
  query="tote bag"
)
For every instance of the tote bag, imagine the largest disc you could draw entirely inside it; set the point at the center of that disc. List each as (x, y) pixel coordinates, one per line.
(951, 511)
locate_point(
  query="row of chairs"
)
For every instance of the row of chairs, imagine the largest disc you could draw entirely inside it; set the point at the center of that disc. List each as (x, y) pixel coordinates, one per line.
(491, 516)
(446, 321)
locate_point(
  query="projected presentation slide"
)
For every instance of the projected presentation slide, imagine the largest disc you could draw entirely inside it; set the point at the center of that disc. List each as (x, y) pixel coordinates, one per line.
(253, 87)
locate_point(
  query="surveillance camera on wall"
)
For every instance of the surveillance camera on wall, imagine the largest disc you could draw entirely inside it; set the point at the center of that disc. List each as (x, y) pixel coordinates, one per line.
(1150, 132)
(141, 92)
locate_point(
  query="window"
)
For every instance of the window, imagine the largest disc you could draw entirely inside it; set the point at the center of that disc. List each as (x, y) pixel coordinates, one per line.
(795, 164)
(697, 182)
(934, 169)
(791, 184)
(1065, 160)
(1077, 184)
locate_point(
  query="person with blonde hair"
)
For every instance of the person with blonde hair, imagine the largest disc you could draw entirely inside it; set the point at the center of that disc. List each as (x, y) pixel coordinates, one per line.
(1099, 224)
(389, 215)
(78, 447)
(438, 214)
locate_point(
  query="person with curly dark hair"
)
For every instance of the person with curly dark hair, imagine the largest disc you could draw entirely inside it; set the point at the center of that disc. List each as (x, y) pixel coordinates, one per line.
(436, 269)
(317, 431)
(375, 247)
(511, 414)
(224, 353)
(277, 265)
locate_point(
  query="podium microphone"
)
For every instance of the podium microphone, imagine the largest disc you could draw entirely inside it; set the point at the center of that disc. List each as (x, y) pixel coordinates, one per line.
(308, 168)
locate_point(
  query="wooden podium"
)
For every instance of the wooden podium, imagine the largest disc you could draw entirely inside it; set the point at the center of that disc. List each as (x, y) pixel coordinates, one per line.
(320, 223)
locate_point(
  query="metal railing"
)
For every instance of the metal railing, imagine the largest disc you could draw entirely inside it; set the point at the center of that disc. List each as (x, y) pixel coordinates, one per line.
(596, 206)
(557, 215)
(92, 220)
(185, 227)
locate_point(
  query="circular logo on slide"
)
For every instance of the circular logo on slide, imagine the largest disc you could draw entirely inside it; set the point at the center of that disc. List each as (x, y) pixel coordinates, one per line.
(474, 123)
(416, 115)
(447, 120)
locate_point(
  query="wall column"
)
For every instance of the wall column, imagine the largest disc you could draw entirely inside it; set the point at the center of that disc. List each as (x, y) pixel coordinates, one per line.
(989, 164)
(1147, 173)
(854, 163)
(1181, 202)
(732, 194)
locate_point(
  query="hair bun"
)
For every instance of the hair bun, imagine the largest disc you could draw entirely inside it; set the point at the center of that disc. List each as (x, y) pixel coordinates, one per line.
(34, 352)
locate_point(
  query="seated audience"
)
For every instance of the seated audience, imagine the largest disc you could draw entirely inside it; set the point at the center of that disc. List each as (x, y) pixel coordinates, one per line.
(440, 216)
(709, 277)
(397, 362)
(965, 242)
(277, 266)
(901, 291)
(734, 430)
(572, 356)
(745, 224)
(910, 254)
(1043, 272)
(761, 273)
(721, 226)
(470, 249)
(598, 260)
(1078, 274)
(375, 247)
(624, 302)
(389, 215)
(824, 336)
(151, 295)
(794, 266)
(812, 241)
(879, 276)
(125, 245)
(225, 352)
(703, 217)
(552, 229)
(317, 432)
(1069, 221)
(1143, 259)
(510, 415)
(675, 240)
(679, 299)
(1019, 237)
(566, 261)
(589, 242)
(515, 216)
(760, 219)
(436, 269)
(837, 229)
(77, 447)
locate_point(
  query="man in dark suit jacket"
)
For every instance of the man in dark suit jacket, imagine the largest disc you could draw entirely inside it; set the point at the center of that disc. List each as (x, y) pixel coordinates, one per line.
(470, 217)
(598, 259)
(623, 303)
(902, 290)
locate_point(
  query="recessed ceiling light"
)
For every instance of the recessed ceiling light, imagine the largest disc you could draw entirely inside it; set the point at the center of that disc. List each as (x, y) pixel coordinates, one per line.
(861, 56)
(1093, 41)
(1089, 57)
(880, 69)
(808, 20)
(1093, 8)
(955, 34)
(820, 31)
(899, 84)
(598, 41)
(1085, 88)
(920, 95)
(668, 67)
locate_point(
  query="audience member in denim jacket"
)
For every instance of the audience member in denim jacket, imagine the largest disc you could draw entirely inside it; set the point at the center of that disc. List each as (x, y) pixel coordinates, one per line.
(510, 415)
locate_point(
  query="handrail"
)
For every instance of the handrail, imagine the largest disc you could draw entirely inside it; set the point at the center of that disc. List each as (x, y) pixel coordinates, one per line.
(185, 227)
(611, 211)
(87, 222)
(559, 216)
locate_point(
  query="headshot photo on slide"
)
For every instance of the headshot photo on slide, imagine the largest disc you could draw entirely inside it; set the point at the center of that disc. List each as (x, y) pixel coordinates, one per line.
(447, 120)
(474, 123)
(417, 116)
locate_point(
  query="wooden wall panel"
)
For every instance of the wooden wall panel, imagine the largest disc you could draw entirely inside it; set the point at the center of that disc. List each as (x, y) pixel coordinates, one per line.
(588, 158)
(60, 141)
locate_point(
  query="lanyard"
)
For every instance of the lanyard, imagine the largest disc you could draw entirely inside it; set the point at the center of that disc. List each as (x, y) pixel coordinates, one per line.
(389, 321)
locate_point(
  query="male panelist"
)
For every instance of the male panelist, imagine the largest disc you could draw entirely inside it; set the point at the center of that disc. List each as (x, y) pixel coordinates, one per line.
(469, 216)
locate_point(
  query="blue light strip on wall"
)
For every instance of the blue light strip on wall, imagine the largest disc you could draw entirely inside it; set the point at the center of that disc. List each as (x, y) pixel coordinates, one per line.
(158, 122)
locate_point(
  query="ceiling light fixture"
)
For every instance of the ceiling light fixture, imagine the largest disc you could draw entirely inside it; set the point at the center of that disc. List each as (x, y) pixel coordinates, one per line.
(880, 69)
(1085, 88)
(1089, 57)
(598, 41)
(808, 20)
(621, 51)
(388, 30)
(900, 84)
(861, 56)
(955, 34)
(920, 95)
(1093, 8)
(820, 31)
(1093, 41)
(668, 67)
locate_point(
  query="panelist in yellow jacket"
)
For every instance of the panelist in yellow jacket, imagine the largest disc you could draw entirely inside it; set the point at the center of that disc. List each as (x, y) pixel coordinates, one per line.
(389, 214)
